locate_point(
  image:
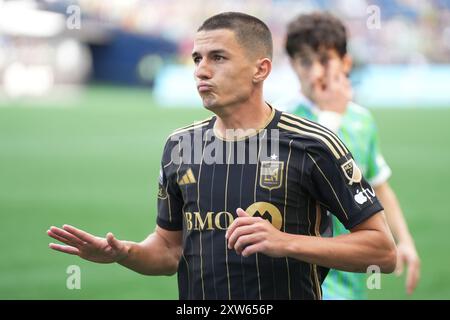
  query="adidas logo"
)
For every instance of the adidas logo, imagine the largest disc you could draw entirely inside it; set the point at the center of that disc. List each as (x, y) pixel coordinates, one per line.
(187, 178)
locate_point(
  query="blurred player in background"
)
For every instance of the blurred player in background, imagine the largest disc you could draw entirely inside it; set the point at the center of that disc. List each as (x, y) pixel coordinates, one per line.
(317, 46)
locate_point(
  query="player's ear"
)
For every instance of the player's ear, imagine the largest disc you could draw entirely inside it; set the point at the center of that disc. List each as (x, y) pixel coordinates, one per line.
(347, 63)
(263, 68)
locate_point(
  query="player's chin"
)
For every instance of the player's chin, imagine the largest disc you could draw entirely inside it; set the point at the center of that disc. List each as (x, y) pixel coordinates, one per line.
(209, 103)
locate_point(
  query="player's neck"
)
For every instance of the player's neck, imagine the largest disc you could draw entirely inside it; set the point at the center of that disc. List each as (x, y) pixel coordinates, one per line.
(248, 116)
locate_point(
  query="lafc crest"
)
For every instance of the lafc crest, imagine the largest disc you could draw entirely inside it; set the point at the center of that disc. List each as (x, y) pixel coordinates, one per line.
(351, 172)
(271, 174)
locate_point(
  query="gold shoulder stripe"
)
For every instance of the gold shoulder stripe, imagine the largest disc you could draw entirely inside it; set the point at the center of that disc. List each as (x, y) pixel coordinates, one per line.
(316, 128)
(189, 128)
(196, 123)
(312, 123)
(310, 134)
(319, 127)
(322, 133)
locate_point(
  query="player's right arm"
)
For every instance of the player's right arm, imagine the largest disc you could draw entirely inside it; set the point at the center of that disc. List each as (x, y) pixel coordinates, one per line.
(158, 254)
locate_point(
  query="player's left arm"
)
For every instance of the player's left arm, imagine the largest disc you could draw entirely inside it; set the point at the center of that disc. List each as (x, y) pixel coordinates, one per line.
(406, 249)
(327, 180)
(369, 243)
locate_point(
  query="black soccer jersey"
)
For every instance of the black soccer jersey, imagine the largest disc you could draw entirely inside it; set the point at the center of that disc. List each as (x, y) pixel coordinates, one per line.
(293, 173)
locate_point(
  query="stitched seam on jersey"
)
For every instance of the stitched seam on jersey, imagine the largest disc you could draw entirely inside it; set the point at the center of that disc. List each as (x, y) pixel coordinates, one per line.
(329, 183)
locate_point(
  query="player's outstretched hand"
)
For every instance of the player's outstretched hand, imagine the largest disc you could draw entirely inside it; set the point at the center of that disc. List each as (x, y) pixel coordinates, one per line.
(87, 246)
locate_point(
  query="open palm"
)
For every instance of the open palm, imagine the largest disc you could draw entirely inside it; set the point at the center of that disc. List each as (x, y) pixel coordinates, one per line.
(87, 246)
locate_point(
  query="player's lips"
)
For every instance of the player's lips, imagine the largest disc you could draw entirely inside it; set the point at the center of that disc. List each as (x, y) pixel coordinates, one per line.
(202, 87)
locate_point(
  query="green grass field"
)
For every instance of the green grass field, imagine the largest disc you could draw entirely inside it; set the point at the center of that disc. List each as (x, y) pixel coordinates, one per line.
(95, 162)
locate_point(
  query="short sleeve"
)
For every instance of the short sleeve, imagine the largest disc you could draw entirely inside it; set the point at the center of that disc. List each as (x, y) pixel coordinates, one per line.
(338, 184)
(170, 200)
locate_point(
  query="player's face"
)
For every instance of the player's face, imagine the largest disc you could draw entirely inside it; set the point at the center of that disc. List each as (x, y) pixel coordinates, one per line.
(315, 73)
(223, 69)
(308, 74)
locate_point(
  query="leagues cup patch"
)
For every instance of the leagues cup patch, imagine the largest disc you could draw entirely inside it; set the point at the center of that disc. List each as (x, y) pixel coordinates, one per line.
(351, 172)
(271, 176)
(162, 194)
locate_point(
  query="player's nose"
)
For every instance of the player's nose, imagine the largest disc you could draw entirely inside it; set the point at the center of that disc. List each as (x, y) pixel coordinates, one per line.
(202, 70)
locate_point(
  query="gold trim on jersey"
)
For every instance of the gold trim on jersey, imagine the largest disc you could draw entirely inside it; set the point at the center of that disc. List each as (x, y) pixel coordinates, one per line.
(254, 133)
(296, 130)
(170, 209)
(178, 171)
(331, 134)
(226, 244)
(166, 165)
(310, 265)
(316, 279)
(318, 219)
(201, 264)
(254, 200)
(331, 186)
(284, 213)
(200, 231)
(192, 125)
(320, 135)
(317, 233)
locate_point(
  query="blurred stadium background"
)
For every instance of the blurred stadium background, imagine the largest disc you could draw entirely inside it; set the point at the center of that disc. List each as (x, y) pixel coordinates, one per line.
(90, 90)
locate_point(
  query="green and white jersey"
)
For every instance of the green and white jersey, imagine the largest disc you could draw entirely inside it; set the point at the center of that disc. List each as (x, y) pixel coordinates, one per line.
(359, 133)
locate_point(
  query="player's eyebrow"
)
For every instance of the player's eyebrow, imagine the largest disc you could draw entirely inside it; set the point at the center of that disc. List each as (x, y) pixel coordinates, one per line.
(219, 51)
(196, 54)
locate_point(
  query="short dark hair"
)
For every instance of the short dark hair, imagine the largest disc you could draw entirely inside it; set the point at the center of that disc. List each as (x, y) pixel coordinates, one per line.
(310, 36)
(250, 32)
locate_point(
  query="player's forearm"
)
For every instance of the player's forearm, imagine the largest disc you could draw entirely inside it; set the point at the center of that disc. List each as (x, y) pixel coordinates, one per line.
(353, 252)
(394, 214)
(153, 256)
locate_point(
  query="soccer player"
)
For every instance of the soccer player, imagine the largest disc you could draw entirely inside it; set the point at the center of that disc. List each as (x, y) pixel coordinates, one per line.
(234, 220)
(317, 46)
